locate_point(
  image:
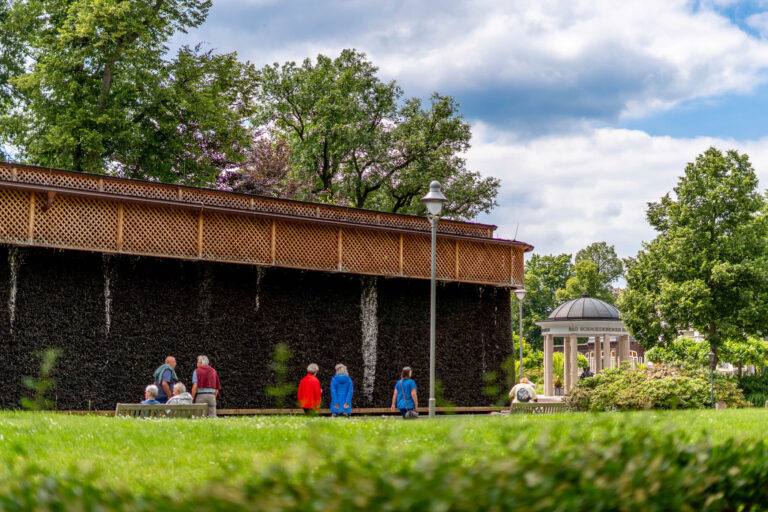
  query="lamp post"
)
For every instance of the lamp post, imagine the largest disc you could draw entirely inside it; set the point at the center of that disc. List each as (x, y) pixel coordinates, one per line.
(712, 376)
(520, 294)
(434, 201)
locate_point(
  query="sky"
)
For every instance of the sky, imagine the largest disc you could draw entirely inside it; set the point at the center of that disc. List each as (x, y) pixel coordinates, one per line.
(586, 110)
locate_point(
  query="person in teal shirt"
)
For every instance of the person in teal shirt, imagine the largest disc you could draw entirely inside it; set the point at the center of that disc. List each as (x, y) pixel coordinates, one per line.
(405, 397)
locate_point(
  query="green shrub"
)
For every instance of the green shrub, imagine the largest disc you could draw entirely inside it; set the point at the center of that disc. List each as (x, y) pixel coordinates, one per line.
(751, 384)
(624, 469)
(660, 387)
(757, 399)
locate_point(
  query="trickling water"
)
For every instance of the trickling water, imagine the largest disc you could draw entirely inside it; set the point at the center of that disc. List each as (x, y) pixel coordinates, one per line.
(259, 277)
(106, 260)
(370, 331)
(14, 260)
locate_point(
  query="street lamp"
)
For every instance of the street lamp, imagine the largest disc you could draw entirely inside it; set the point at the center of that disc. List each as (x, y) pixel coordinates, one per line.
(712, 376)
(520, 294)
(434, 201)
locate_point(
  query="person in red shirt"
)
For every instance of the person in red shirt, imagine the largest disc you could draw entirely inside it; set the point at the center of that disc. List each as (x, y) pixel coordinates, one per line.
(310, 393)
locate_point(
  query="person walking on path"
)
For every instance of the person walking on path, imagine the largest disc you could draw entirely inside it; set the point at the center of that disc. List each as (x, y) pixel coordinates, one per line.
(205, 385)
(405, 398)
(523, 392)
(341, 392)
(165, 378)
(310, 393)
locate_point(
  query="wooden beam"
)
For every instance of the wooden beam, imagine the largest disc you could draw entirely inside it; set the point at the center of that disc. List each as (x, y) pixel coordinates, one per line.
(400, 266)
(31, 219)
(199, 233)
(340, 251)
(49, 200)
(456, 258)
(272, 246)
(119, 233)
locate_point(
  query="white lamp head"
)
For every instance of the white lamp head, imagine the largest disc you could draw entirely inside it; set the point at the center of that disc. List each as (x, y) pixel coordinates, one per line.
(434, 199)
(520, 293)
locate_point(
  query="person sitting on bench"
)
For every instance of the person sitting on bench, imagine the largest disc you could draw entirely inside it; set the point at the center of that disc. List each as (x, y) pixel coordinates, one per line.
(180, 395)
(150, 395)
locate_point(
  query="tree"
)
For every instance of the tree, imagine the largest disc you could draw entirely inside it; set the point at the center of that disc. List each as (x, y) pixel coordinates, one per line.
(586, 280)
(354, 142)
(706, 270)
(544, 275)
(91, 91)
(609, 266)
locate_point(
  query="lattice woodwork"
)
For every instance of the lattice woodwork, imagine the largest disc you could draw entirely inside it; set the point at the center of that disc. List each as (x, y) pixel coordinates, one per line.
(236, 238)
(159, 231)
(145, 189)
(14, 211)
(370, 252)
(306, 246)
(90, 218)
(75, 222)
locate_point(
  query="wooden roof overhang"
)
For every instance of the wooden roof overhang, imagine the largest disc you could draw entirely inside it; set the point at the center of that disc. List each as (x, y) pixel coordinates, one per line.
(62, 209)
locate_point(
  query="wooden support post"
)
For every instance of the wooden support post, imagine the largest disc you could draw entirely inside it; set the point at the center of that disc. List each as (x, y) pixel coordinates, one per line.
(456, 259)
(31, 218)
(178, 193)
(400, 264)
(272, 247)
(101, 184)
(119, 234)
(340, 255)
(14, 174)
(200, 234)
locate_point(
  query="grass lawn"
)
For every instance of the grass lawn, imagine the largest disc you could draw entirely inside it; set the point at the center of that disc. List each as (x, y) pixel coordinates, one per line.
(140, 454)
(175, 457)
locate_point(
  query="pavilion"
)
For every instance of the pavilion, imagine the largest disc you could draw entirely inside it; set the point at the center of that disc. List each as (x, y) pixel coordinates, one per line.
(584, 317)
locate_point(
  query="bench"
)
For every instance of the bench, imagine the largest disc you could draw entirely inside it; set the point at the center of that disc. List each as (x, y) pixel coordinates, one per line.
(161, 410)
(537, 408)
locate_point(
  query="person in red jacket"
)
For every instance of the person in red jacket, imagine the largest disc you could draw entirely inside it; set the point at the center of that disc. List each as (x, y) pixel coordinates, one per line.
(310, 393)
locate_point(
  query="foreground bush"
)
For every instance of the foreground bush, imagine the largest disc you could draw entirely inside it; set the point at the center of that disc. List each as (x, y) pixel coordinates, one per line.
(660, 387)
(638, 469)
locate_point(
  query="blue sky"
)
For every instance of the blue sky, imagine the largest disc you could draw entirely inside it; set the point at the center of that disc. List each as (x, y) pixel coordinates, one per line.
(586, 110)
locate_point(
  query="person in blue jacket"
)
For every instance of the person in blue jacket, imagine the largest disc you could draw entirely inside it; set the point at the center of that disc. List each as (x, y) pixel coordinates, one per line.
(341, 392)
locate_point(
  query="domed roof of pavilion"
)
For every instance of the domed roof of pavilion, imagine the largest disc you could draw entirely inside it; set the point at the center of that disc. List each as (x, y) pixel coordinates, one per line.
(585, 308)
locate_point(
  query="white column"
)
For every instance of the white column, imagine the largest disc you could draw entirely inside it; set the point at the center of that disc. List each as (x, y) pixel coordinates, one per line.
(598, 354)
(566, 364)
(623, 348)
(548, 346)
(606, 351)
(574, 359)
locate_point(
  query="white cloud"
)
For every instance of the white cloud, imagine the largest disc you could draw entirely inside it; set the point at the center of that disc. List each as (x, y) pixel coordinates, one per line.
(569, 191)
(544, 59)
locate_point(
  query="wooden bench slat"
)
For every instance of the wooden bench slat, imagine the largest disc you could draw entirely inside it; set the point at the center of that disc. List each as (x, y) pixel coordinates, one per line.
(161, 410)
(537, 408)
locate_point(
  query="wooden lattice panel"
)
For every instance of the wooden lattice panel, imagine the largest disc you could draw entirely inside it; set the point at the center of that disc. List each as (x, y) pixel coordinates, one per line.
(518, 266)
(58, 179)
(284, 207)
(484, 262)
(417, 257)
(236, 238)
(215, 198)
(306, 246)
(14, 212)
(75, 222)
(159, 231)
(6, 173)
(348, 215)
(141, 189)
(370, 252)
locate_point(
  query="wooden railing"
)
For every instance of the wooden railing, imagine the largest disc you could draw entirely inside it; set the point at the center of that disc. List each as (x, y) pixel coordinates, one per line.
(60, 209)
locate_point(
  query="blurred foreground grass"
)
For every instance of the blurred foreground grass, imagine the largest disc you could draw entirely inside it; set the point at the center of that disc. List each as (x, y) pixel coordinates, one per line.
(171, 458)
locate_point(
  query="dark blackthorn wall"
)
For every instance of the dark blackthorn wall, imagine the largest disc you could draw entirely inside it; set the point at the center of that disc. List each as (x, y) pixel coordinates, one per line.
(235, 314)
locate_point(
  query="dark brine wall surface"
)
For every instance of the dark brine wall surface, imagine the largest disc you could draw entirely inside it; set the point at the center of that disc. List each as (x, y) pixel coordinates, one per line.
(115, 318)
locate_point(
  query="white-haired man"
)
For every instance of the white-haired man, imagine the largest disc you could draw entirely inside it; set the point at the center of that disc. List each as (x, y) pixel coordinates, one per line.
(205, 385)
(180, 395)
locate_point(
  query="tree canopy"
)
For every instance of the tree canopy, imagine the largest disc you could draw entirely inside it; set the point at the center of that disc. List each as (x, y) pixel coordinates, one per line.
(87, 87)
(706, 269)
(354, 140)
